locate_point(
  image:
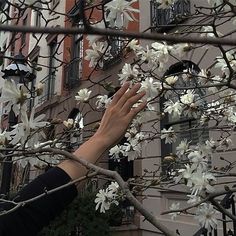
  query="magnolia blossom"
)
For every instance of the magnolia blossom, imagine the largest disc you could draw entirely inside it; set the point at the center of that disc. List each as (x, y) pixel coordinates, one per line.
(69, 123)
(163, 51)
(120, 12)
(186, 174)
(201, 181)
(188, 98)
(115, 152)
(94, 55)
(206, 215)
(149, 56)
(170, 81)
(174, 206)
(169, 135)
(221, 63)
(22, 131)
(183, 147)
(83, 95)
(4, 136)
(14, 95)
(151, 87)
(197, 159)
(134, 45)
(207, 32)
(132, 149)
(174, 108)
(105, 198)
(181, 49)
(103, 101)
(128, 73)
(193, 199)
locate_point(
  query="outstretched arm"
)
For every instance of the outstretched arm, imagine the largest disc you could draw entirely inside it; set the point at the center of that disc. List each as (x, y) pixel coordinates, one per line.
(29, 219)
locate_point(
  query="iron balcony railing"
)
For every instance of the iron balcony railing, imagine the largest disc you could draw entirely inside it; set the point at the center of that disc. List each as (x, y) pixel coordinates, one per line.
(49, 87)
(116, 45)
(162, 18)
(73, 74)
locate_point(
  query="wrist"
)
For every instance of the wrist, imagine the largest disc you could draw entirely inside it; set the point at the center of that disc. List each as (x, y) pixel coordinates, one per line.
(99, 141)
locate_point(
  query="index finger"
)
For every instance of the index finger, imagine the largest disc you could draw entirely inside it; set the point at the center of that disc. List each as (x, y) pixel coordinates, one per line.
(118, 95)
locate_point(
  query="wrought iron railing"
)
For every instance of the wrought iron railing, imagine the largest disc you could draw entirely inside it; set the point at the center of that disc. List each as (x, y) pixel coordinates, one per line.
(73, 74)
(114, 57)
(163, 18)
(228, 225)
(49, 87)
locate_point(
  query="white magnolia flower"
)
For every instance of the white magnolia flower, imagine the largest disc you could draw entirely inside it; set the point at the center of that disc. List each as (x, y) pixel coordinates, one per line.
(188, 98)
(14, 95)
(104, 199)
(221, 63)
(22, 131)
(206, 215)
(113, 187)
(4, 136)
(149, 56)
(165, 3)
(103, 101)
(83, 95)
(94, 55)
(115, 152)
(193, 199)
(174, 206)
(120, 12)
(174, 108)
(170, 81)
(201, 181)
(198, 159)
(128, 73)
(151, 87)
(69, 123)
(185, 174)
(181, 49)
(169, 135)
(132, 149)
(182, 148)
(207, 31)
(162, 50)
(134, 45)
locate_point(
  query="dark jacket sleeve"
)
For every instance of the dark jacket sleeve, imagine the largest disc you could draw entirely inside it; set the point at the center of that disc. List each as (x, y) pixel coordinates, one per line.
(29, 219)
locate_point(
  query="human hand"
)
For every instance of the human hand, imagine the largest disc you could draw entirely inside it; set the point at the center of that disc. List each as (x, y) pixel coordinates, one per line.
(119, 114)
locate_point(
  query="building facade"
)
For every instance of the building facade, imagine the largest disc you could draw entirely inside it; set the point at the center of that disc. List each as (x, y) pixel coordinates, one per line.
(63, 71)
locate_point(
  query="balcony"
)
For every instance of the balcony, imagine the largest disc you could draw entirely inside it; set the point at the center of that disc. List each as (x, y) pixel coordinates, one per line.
(73, 74)
(162, 19)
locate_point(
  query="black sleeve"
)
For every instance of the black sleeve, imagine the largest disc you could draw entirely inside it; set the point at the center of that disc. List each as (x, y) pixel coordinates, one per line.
(29, 219)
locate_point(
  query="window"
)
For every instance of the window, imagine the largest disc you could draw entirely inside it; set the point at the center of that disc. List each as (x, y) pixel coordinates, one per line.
(185, 127)
(73, 71)
(23, 36)
(161, 18)
(3, 51)
(38, 17)
(49, 81)
(76, 136)
(116, 44)
(31, 84)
